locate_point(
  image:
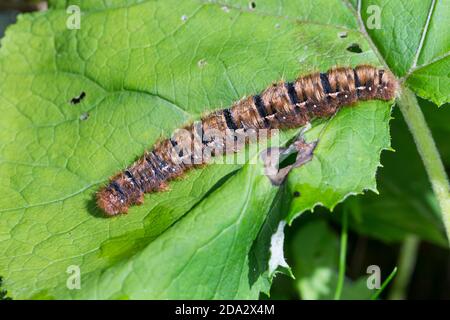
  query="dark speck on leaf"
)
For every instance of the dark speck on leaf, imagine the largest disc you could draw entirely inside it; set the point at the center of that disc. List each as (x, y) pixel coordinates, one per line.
(296, 194)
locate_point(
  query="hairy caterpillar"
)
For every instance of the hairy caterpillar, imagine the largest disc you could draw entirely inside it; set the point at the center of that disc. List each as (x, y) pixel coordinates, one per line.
(280, 106)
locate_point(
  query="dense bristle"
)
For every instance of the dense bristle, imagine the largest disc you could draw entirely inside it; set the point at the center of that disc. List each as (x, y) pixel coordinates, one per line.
(281, 106)
(110, 203)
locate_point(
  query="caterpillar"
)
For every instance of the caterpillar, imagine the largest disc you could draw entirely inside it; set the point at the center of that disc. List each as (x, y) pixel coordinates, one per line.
(282, 105)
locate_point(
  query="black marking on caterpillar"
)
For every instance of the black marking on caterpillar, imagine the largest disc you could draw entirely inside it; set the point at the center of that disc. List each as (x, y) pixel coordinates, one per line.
(292, 94)
(280, 106)
(325, 83)
(229, 119)
(261, 108)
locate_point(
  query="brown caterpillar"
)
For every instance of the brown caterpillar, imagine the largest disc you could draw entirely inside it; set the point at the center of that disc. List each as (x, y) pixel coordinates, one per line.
(280, 106)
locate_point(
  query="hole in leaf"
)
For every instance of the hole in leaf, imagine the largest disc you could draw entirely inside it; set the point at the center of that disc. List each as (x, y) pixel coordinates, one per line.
(252, 5)
(296, 194)
(342, 34)
(278, 162)
(76, 100)
(288, 161)
(355, 48)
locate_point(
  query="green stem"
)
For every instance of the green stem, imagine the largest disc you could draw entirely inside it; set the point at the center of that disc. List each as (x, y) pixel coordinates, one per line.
(342, 255)
(428, 152)
(384, 285)
(406, 264)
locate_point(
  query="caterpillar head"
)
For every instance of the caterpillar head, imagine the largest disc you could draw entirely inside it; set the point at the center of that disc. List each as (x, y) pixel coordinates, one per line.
(111, 202)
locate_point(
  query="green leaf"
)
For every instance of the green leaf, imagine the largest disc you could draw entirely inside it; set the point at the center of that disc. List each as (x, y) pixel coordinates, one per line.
(399, 34)
(138, 64)
(308, 12)
(412, 42)
(316, 254)
(432, 82)
(405, 204)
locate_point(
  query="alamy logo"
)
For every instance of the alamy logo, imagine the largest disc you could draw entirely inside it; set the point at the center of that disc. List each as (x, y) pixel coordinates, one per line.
(74, 280)
(73, 22)
(374, 280)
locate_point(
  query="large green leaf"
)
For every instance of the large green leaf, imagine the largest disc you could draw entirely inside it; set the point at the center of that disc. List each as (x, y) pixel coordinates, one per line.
(147, 67)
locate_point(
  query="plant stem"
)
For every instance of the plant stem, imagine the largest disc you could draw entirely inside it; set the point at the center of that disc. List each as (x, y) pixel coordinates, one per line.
(406, 264)
(428, 152)
(384, 285)
(342, 255)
